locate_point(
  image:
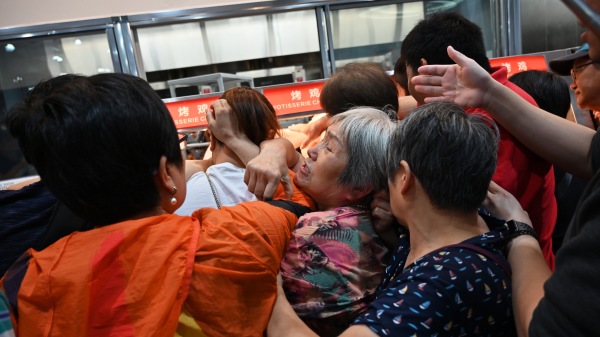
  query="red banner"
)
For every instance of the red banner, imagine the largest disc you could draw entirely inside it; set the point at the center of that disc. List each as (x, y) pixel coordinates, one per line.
(190, 113)
(295, 98)
(517, 64)
(286, 99)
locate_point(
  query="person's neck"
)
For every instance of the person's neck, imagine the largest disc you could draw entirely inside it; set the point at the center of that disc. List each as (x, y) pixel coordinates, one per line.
(431, 228)
(222, 154)
(327, 204)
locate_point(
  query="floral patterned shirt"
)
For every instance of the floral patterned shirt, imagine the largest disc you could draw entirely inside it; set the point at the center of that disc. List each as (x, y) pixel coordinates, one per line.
(333, 266)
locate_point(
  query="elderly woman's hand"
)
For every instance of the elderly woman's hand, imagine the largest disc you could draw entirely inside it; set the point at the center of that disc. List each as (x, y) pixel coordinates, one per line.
(266, 171)
(263, 175)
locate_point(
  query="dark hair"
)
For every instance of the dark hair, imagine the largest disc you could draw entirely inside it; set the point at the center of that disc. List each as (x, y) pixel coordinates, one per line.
(430, 38)
(452, 154)
(359, 84)
(550, 91)
(254, 113)
(96, 142)
(400, 74)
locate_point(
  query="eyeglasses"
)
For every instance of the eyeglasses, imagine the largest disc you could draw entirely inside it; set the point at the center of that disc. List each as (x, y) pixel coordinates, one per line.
(578, 68)
(182, 142)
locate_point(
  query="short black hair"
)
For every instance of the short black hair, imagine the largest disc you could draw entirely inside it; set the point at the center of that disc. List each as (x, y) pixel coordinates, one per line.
(96, 142)
(364, 84)
(400, 74)
(452, 154)
(550, 91)
(430, 38)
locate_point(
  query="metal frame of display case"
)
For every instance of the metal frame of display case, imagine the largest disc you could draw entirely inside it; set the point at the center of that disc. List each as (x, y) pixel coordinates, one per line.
(122, 38)
(219, 78)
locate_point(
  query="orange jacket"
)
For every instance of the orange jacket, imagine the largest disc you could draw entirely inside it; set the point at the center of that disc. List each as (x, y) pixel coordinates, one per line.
(133, 278)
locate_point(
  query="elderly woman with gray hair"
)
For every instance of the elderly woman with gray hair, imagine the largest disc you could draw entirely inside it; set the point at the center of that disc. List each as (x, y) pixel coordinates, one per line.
(335, 259)
(449, 277)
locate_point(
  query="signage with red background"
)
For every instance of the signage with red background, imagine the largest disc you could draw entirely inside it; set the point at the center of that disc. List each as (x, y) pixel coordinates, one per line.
(517, 64)
(190, 113)
(296, 98)
(286, 99)
(305, 97)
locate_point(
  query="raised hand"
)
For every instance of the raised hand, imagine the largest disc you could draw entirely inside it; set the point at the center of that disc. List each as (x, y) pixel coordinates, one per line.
(464, 83)
(264, 173)
(221, 122)
(504, 205)
(269, 168)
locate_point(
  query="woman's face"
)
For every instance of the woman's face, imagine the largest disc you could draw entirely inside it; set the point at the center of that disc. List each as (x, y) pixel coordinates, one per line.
(585, 84)
(318, 176)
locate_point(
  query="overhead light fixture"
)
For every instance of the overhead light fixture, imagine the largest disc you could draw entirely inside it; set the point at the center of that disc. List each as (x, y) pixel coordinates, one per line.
(77, 42)
(9, 48)
(257, 8)
(57, 58)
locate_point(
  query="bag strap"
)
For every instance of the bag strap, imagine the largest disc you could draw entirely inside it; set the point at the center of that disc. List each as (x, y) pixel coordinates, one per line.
(294, 207)
(213, 189)
(502, 263)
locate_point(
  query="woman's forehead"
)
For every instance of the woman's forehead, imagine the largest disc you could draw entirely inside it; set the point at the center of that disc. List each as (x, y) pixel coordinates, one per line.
(333, 132)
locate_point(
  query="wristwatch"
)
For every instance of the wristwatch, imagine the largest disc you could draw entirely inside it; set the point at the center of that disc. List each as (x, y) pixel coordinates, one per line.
(516, 228)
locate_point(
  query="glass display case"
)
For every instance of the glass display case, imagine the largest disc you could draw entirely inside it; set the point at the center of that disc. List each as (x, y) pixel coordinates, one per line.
(276, 43)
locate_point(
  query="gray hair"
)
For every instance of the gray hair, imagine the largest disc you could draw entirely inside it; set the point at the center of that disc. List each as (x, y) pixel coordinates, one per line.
(452, 154)
(366, 133)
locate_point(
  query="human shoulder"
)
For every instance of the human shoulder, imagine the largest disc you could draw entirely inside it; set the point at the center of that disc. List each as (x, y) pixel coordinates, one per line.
(436, 293)
(195, 166)
(226, 170)
(252, 235)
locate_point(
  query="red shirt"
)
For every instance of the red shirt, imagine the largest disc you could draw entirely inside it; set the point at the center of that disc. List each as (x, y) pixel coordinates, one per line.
(526, 176)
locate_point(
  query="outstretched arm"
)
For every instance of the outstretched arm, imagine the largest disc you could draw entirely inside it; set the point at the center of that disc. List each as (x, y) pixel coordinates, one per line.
(270, 167)
(529, 269)
(265, 168)
(563, 143)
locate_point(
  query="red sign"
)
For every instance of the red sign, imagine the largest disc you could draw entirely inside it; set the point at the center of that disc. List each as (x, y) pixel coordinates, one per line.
(517, 64)
(286, 99)
(190, 113)
(295, 98)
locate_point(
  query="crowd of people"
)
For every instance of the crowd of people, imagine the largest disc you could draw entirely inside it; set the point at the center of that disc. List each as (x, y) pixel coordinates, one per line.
(439, 219)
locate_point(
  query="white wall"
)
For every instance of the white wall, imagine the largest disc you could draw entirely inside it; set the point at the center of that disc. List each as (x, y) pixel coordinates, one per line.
(19, 13)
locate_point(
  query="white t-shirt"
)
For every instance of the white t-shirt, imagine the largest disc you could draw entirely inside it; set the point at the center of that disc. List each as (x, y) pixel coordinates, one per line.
(228, 181)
